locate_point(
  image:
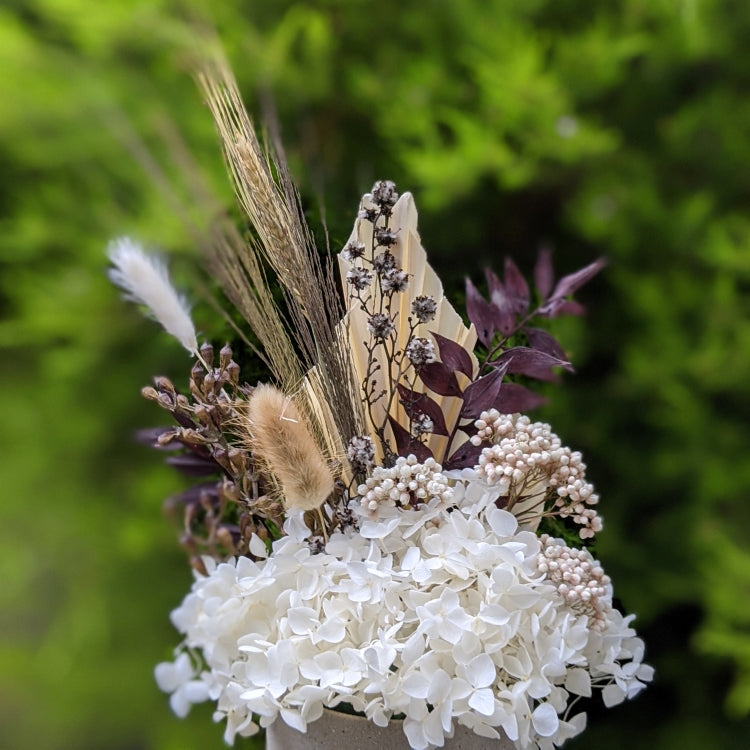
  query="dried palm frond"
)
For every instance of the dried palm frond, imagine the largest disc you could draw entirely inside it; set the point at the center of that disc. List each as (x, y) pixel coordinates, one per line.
(411, 257)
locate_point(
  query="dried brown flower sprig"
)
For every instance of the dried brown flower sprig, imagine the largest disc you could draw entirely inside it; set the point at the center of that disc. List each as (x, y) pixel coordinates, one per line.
(395, 310)
(233, 500)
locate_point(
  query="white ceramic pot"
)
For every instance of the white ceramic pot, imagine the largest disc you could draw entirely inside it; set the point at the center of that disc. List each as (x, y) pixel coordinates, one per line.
(340, 731)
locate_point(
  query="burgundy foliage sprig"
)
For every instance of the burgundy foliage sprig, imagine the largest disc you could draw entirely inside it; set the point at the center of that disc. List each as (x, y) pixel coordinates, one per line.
(498, 320)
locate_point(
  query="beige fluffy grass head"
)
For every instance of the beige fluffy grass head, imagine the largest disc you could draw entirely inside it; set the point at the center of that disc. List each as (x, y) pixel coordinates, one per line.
(281, 439)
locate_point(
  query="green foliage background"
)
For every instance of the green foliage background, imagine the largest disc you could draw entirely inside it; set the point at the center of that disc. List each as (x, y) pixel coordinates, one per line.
(620, 127)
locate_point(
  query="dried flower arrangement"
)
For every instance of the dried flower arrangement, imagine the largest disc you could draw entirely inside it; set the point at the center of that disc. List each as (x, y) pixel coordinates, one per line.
(379, 527)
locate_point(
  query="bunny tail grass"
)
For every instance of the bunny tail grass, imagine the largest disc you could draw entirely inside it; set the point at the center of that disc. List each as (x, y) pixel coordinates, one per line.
(281, 439)
(145, 281)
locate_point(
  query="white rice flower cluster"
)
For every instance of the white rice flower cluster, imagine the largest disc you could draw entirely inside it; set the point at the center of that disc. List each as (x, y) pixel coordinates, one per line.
(579, 578)
(522, 454)
(408, 482)
(440, 614)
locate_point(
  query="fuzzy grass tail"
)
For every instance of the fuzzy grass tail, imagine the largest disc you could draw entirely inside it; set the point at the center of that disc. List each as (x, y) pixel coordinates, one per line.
(280, 438)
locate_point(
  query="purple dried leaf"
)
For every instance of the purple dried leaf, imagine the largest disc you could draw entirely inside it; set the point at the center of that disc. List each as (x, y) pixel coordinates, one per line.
(150, 436)
(544, 342)
(569, 307)
(401, 435)
(520, 360)
(406, 444)
(421, 403)
(193, 465)
(507, 324)
(482, 393)
(453, 355)
(485, 316)
(514, 398)
(516, 288)
(574, 281)
(466, 456)
(193, 495)
(440, 379)
(498, 297)
(544, 273)
(504, 315)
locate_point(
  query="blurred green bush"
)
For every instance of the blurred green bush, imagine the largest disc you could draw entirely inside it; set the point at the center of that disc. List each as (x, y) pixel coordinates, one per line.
(619, 128)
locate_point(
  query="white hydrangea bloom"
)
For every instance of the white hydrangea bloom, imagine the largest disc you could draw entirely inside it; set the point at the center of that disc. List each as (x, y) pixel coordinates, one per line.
(441, 613)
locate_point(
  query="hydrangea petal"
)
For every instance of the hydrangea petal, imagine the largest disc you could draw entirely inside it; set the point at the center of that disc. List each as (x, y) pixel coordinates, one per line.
(545, 720)
(483, 701)
(504, 524)
(578, 681)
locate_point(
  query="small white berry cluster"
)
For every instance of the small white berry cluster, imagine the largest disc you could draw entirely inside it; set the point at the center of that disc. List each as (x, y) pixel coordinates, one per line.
(523, 453)
(407, 483)
(579, 578)
(492, 426)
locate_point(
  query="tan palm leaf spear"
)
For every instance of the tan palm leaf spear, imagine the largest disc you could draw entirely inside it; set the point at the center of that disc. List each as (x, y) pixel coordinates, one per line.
(410, 257)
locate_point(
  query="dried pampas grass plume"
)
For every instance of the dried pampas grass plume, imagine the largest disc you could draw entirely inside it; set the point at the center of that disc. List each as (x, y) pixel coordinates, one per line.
(145, 280)
(281, 439)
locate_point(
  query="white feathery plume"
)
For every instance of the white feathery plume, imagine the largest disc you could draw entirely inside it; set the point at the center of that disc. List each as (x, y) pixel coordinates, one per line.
(145, 280)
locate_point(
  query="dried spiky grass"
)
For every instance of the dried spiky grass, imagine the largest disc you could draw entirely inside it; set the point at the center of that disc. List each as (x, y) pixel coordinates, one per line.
(285, 244)
(280, 438)
(236, 264)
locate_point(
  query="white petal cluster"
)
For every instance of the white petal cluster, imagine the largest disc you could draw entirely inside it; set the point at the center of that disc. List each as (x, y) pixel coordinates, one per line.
(440, 613)
(408, 482)
(524, 454)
